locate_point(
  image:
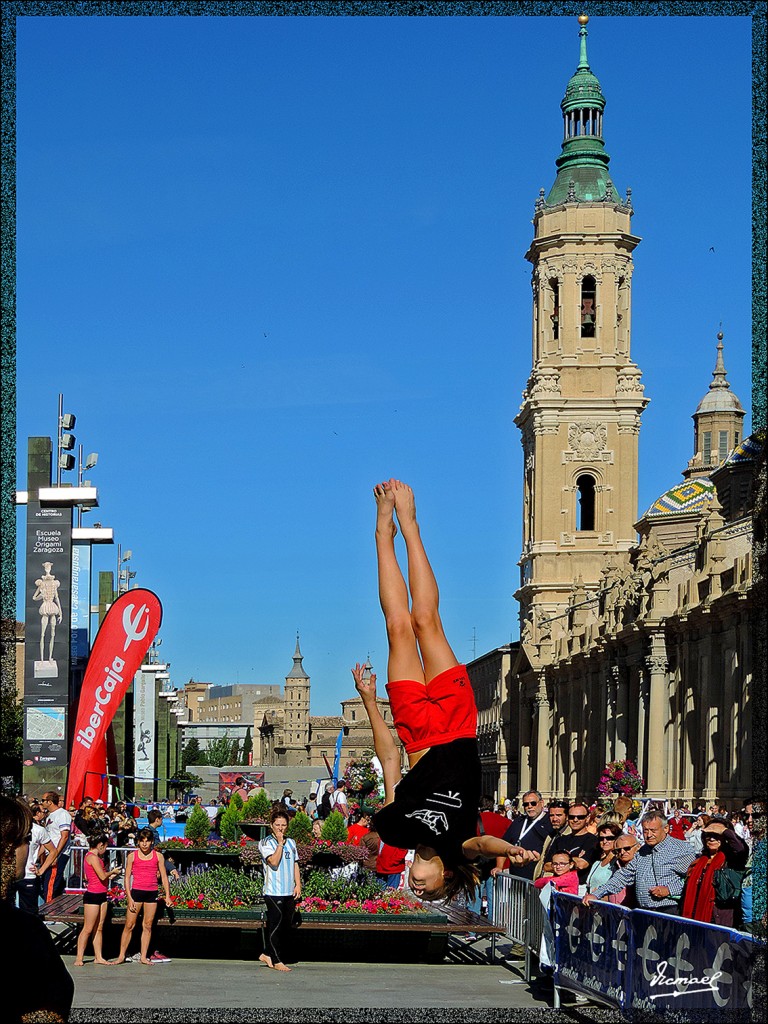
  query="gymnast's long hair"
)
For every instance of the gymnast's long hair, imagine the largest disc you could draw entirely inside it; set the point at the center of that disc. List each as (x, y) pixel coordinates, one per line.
(464, 880)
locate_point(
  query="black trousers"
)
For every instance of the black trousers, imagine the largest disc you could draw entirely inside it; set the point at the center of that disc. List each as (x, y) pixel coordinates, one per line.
(280, 910)
(29, 889)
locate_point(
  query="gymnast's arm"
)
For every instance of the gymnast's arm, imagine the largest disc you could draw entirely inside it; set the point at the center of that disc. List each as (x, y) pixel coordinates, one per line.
(383, 743)
(491, 846)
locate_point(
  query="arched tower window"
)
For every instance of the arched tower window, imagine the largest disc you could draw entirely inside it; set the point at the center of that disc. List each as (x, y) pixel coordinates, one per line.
(585, 503)
(588, 306)
(554, 285)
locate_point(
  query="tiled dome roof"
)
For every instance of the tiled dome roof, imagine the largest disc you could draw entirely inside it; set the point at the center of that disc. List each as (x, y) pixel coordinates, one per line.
(748, 450)
(682, 499)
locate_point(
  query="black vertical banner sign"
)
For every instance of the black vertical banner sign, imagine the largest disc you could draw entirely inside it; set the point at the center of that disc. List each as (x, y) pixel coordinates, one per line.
(47, 634)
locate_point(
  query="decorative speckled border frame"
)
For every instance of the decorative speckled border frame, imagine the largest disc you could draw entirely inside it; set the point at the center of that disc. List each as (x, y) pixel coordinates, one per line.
(757, 11)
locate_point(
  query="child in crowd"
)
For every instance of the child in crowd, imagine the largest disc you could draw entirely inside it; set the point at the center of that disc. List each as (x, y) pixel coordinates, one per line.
(94, 899)
(141, 871)
(434, 809)
(565, 877)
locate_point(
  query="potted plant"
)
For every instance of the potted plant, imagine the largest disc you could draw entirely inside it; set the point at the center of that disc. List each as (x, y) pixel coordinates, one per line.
(254, 820)
(620, 778)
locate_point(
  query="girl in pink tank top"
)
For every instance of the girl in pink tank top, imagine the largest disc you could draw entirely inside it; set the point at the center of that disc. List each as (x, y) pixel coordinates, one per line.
(141, 870)
(94, 899)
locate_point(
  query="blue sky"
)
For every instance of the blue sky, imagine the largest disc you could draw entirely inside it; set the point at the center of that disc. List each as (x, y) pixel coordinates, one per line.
(271, 261)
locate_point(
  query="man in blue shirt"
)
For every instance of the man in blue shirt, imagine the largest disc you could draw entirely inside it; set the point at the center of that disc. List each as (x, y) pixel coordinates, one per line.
(657, 870)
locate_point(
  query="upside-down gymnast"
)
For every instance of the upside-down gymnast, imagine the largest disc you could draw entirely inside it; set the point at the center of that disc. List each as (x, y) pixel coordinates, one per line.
(433, 810)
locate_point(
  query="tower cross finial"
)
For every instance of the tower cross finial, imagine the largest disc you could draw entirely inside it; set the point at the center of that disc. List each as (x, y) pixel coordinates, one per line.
(583, 61)
(719, 373)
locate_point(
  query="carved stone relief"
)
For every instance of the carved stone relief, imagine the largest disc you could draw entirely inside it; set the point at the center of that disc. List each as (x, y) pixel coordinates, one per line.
(588, 441)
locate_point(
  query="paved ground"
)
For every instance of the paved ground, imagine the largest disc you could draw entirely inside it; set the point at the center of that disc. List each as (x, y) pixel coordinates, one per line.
(463, 980)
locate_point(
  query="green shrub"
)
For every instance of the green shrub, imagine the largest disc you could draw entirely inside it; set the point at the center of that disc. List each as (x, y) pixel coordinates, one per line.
(257, 808)
(320, 883)
(229, 821)
(219, 887)
(334, 828)
(300, 828)
(198, 825)
(237, 800)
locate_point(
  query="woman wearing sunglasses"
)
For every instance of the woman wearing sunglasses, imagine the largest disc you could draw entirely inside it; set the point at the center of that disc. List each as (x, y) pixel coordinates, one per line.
(712, 891)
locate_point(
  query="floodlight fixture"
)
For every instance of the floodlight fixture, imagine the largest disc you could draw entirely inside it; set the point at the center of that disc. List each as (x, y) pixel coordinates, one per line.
(68, 442)
(68, 421)
(91, 460)
(66, 461)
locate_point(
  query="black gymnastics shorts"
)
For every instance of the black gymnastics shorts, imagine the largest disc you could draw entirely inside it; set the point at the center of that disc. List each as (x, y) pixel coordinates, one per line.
(95, 899)
(144, 896)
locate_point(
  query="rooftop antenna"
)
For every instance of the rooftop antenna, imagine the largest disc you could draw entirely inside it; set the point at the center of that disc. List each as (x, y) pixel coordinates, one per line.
(473, 641)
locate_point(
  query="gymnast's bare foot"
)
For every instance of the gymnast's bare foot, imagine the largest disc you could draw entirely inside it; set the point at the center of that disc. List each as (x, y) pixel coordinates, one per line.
(266, 959)
(405, 504)
(280, 967)
(385, 507)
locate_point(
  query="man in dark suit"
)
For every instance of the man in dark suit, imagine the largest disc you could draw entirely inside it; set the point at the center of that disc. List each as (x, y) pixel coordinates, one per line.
(529, 830)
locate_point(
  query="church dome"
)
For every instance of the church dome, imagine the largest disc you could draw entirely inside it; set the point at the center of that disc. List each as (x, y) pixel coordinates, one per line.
(748, 450)
(690, 496)
(582, 167)
(719, 397)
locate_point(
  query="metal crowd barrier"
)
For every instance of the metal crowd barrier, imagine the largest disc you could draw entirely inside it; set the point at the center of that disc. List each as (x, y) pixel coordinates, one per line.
(519, 911)
(74, 877)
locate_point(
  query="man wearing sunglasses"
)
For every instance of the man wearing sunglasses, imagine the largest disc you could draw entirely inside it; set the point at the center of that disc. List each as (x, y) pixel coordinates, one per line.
(558, 819)
(529, 830)
(578, 841)
(657, 871)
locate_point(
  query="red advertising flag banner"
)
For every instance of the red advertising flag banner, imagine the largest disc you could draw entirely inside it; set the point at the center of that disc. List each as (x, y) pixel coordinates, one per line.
(128, 629)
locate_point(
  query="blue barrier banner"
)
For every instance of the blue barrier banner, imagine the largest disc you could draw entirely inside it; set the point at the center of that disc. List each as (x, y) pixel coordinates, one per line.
(638, 960)
(683, 965)
(592, 949)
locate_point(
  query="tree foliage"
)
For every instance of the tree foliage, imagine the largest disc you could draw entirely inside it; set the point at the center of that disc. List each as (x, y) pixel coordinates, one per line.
(245, 757)
(218, 753)
(300, 828)
(257, 807)
(334, 828)
(184, 782)
(190, 753)
(230, 819)
(198, 824)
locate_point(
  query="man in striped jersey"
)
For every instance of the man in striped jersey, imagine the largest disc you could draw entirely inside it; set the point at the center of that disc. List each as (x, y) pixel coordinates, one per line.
(657, 870)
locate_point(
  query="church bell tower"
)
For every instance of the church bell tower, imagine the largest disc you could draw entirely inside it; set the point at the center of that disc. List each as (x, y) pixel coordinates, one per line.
(580, 415)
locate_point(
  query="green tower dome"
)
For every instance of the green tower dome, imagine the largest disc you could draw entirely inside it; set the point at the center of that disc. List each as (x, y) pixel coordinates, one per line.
(582, 175)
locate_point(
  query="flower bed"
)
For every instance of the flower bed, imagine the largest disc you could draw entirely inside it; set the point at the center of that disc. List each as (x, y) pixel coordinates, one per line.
(399, 905)
(317, 850)
(205, 846)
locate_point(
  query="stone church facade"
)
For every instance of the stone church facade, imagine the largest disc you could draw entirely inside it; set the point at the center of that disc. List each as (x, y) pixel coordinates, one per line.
(628, 650)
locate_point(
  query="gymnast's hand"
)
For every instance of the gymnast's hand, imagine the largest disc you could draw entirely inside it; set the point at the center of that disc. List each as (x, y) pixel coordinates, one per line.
(365, 687)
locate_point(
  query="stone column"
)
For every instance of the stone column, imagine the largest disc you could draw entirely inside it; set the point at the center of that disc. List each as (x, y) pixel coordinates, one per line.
(642, 720)
(612, 710)
(526, 729)
(574, 731)
(658, 714)
(543, 773)
(622, 712)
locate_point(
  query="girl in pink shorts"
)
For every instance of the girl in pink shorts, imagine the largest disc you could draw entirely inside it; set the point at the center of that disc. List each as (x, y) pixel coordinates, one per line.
(433, 810)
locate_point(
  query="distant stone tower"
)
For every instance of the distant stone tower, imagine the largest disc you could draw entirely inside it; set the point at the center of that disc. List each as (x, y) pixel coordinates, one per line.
(296, 712)
(718, 423)
(580, 415)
